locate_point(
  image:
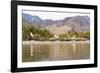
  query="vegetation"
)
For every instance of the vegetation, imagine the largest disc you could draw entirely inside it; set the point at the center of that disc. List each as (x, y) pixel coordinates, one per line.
(41, 34)
(34, 33)
(76, 34)
(26, 32)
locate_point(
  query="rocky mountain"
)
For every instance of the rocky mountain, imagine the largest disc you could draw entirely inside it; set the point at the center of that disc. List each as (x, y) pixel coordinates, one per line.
(75, 23)
(32, 19)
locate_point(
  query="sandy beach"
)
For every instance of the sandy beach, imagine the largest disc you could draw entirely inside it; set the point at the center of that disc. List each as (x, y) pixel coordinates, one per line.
(51, 42)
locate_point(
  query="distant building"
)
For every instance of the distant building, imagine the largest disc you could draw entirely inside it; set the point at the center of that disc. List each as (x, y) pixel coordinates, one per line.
(56, 36)
(31, 34)
(73, 37)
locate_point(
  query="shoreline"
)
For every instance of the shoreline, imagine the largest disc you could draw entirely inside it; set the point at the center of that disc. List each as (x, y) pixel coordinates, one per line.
(52, 42)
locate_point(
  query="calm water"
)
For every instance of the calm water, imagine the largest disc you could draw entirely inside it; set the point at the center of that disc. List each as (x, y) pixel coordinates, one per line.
(55, 51)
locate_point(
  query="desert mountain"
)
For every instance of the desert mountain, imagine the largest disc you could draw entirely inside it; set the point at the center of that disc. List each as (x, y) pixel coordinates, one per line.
(75, 23)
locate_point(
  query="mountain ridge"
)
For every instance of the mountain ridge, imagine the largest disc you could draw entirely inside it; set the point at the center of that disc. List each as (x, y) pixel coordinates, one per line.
(75, 23)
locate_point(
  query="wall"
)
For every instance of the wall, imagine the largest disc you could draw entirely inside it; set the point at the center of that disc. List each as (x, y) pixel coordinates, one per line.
(5, 36)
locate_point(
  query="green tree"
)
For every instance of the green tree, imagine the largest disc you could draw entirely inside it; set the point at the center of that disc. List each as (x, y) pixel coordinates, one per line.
(25, 32)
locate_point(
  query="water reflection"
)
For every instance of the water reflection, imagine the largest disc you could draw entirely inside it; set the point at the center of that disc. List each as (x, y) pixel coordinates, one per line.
(55, 51)
(74, 47)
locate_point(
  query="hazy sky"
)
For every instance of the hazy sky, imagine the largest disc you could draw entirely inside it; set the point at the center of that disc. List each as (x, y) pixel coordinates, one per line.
(54, 15)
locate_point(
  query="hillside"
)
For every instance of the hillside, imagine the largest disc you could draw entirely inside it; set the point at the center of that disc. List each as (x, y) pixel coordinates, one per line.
(75, 23)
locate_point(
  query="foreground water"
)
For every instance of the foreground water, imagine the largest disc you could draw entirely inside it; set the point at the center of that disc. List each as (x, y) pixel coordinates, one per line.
(51, 51)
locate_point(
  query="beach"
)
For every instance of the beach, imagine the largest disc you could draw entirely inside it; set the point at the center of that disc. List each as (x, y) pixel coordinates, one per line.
(51, 42)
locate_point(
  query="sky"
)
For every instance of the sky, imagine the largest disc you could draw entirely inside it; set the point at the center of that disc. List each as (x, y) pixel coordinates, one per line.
(53, 15)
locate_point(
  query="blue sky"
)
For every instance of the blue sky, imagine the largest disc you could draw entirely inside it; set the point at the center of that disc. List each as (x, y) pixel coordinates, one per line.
(53, 15)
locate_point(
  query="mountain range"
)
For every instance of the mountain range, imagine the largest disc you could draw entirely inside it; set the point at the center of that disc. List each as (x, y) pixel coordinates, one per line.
(74, 23)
